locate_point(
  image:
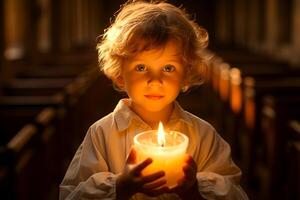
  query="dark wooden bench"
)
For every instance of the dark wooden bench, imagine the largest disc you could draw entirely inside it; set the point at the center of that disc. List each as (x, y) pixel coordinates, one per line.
(250, 128)
(35, 86)
(15, 111)
(15, 156)
(238, 75)
(77, 58)
(233, 108)
(293, 149)
(243, 60)
(53, 72)
(36, 122)
(271, 158)
(30, 158)
(246, 63)
(227, 80)
(51, 148)
(242, 56)
(234, 68)
(83, 100)
(230, 90)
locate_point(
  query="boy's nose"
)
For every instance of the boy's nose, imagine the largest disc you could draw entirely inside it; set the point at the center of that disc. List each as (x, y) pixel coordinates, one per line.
(155, 79)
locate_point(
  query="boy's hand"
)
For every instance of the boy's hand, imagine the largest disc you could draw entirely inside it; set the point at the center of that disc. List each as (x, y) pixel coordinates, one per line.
(187, 186)
(131, 181)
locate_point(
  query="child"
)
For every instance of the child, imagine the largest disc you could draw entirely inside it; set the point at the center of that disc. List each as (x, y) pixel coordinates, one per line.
(152, 51)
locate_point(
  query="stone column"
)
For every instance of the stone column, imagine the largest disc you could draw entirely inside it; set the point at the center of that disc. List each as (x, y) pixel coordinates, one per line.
(240, 22)
(295, 33)
(44, 26)
(271, 38)
(15, 28)
(253, 24)
(2, 45)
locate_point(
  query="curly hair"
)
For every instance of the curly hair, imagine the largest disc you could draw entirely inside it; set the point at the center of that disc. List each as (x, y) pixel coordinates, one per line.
(140, 26)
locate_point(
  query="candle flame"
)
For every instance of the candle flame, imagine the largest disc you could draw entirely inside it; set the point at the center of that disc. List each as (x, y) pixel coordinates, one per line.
(161, 135)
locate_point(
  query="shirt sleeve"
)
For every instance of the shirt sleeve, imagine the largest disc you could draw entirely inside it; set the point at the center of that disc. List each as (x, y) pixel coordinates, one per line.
(87, 176)
(218, 177)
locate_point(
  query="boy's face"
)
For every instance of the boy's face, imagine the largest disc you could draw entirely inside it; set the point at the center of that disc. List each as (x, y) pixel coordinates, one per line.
(154, 78)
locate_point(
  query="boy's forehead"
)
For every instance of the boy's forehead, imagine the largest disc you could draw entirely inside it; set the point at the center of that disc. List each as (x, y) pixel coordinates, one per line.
(171, 48)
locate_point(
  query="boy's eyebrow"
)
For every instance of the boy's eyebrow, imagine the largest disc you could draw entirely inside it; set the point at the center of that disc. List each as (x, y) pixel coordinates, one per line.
(176, 57)
(177, 60)
(174, 60)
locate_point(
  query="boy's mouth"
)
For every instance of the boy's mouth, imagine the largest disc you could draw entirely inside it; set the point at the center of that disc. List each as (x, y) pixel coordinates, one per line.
(154, 96)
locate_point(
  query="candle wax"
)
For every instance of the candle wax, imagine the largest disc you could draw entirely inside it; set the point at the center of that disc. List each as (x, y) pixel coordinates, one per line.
(168, 157)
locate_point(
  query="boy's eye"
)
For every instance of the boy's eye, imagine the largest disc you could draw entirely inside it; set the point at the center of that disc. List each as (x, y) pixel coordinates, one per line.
(140, 67)
(168, 68)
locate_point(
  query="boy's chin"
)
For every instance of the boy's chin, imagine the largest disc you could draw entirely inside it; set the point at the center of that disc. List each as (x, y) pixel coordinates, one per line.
(156, 108)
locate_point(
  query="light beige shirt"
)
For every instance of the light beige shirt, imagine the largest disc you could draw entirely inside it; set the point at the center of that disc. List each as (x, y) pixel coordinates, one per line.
(101, 157)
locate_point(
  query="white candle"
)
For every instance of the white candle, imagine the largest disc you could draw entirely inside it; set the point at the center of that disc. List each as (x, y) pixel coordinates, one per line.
(167, 149)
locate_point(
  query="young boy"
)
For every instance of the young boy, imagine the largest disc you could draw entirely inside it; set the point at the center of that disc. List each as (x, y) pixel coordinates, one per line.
(152, 51)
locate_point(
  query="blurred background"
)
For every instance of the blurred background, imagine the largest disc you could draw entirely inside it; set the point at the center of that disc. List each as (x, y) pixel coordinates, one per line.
(51, 90)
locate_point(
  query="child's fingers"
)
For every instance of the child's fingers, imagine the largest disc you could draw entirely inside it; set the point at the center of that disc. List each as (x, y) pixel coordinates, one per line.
(156, 184)
(190, 161)
(152, 177)
(155, 192)
(139, 167)
(189, 172)
(190, 169)
(131, 157)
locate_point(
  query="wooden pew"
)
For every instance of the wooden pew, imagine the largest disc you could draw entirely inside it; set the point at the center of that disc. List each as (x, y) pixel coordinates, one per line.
(74, 58)
(6, 173)
(233, 109)
(226, 73)
(15, 111)
(293, 149)
(35, 86)
(235, 74)
(53, 72)
(31, 157)
(230, 101)
(24, 174)
(69, 76)
(228, 77)
(230, 92)
(246, 63)
(271, 160)
(71, 86)
(46, 113)
(255, 89)
(249, 134)
(242, 56)
(238, 75)
(39, 89)
(77, 103)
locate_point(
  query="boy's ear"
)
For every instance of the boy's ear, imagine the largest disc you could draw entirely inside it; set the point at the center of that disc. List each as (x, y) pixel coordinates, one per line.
(186, 82)
(185, 86)
(119, 81)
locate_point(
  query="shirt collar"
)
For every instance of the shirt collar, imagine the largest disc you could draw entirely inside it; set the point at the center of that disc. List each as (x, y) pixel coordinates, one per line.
(180, 114)
(124, 116)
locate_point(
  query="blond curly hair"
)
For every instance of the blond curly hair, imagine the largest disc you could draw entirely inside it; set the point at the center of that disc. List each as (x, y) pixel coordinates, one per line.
(141, 25)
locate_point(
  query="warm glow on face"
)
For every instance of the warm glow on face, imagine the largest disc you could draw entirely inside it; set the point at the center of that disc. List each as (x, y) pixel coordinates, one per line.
(154, 89)
(161, 140)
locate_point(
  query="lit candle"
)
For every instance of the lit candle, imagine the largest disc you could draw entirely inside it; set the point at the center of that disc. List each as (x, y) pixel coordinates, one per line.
(167, 150)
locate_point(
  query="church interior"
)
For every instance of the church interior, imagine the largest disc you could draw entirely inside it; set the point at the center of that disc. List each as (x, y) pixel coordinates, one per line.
(51, 89)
